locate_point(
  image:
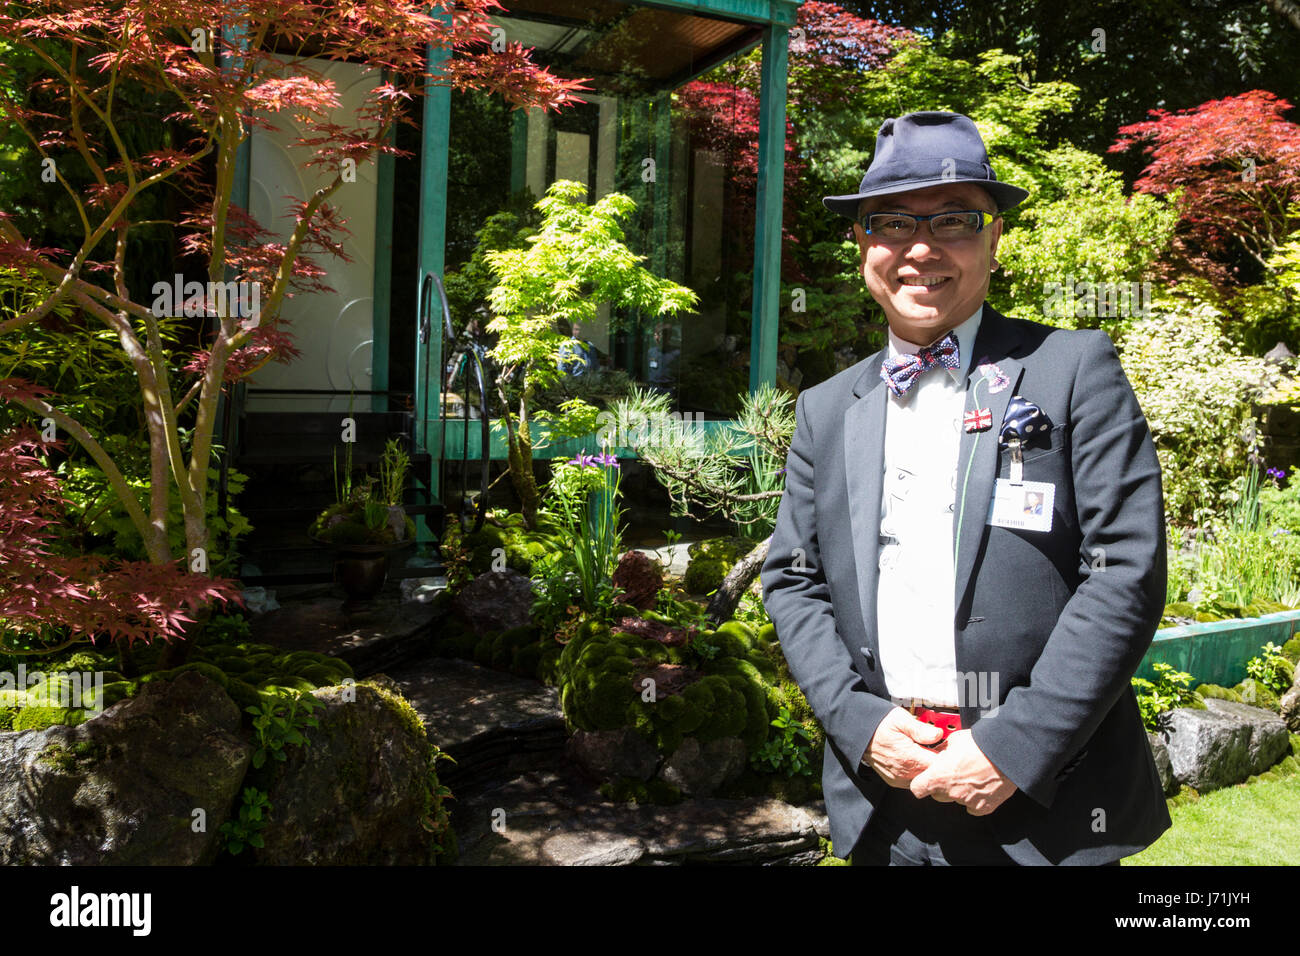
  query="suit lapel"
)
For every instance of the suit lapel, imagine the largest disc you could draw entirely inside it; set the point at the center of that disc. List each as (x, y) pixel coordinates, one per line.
(864, 465)
(977, 463)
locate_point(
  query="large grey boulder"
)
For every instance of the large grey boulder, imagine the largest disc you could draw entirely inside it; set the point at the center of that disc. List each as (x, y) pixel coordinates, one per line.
(1223, 744)
(1290, 705)
(608, 754)
(1269, 739)
(357, 792)
(496, 601)
(148, 781)
(698, 770)
(1163, 765)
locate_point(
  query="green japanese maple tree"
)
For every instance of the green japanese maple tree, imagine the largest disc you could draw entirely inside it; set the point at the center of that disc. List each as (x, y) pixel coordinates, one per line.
(576, 262)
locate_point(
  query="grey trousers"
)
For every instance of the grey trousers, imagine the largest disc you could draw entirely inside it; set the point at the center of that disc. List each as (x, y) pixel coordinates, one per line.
(905, 831)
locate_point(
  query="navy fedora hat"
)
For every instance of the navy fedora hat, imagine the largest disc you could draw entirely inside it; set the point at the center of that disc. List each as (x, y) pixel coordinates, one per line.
(927, 149)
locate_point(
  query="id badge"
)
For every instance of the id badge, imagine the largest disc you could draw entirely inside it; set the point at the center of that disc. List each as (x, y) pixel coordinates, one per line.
(1027, 505)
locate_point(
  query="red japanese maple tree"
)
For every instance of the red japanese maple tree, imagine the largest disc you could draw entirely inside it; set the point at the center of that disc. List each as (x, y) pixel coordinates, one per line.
(828, 46)
(1237, 162)
(49, 601)
(230, 68)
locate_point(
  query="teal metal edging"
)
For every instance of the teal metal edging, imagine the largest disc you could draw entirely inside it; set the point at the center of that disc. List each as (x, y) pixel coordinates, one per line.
(765, 329)
(1216, 652)
(381, 317)
(565, 448)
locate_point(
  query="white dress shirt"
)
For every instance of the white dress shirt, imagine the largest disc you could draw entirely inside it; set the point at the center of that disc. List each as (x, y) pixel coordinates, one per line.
(914, 603)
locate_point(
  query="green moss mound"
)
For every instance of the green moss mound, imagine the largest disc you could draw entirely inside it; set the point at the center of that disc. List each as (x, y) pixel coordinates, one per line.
(512, 541)
(710, 562)
(1291, 650)
(39, 718)
(1257, 694)
(1219, 693)
(735, 693)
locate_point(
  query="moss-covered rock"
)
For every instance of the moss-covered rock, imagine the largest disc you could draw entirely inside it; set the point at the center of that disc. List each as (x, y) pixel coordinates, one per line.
(1291, 650)
(1219, 693)
(705, 574)
(39, 718)
(1257, 694)
(606, 684)
(710, 562)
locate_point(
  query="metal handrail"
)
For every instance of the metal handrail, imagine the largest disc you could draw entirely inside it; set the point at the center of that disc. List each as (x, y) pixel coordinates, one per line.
(468, 349)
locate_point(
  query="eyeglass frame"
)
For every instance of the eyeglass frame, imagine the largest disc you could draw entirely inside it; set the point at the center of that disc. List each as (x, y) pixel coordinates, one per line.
(986, 219)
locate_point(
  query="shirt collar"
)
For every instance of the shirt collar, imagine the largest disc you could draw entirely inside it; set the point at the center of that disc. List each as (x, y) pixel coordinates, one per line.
(965, 333)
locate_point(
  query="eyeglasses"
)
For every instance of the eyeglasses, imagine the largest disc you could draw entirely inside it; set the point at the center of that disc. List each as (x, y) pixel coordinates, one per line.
(899, 226)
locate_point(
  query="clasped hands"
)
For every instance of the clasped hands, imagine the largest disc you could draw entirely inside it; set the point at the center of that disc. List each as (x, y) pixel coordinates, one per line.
(956, 770)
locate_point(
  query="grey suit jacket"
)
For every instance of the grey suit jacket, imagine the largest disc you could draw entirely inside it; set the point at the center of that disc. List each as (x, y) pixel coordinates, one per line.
(1057, 621)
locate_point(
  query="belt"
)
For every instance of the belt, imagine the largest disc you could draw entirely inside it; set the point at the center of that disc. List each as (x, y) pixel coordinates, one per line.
(946, 719)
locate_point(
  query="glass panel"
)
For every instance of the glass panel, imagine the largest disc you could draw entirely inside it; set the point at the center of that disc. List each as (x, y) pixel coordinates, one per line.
(683, 148)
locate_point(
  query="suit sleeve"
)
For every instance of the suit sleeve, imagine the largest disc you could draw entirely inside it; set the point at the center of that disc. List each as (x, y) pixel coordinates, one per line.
(1107, 625)
(798, 600)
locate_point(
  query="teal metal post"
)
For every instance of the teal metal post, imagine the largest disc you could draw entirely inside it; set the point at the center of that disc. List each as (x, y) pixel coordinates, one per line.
(381, 321)
(432, 249)
(767, 225)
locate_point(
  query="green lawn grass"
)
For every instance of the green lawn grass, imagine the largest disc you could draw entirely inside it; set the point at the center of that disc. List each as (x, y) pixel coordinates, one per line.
(1246, 825)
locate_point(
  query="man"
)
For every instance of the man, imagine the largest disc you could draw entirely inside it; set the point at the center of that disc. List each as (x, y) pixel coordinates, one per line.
(576, 356)
(970, 663)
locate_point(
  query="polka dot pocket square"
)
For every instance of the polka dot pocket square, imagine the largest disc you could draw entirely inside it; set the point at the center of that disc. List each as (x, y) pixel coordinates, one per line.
(1027, 422)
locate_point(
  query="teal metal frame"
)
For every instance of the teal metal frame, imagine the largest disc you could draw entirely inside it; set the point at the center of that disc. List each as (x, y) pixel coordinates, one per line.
(765, 331)
(382, 300)
(776, 16)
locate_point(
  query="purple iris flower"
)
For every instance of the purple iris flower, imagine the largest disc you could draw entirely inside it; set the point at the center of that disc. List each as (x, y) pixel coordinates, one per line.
(605, 459)
(1275, 473)
(583, 460)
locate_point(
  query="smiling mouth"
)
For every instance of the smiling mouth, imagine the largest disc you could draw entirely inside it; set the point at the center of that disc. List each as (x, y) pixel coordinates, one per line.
(923, 282)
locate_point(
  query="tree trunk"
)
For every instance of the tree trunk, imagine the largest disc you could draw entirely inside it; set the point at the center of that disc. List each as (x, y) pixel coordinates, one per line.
(723, 603)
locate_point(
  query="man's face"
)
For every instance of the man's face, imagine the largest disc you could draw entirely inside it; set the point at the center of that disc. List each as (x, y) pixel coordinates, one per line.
(902, 276)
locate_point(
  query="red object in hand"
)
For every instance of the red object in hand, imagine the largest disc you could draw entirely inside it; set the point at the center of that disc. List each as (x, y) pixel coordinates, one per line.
(947, 721)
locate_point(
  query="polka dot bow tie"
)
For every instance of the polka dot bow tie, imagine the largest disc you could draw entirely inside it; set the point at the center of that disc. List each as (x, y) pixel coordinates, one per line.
(901, 373)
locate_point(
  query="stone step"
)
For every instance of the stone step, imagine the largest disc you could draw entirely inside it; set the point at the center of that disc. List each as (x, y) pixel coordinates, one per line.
(494, 725)
(555, 818)
(372, 636)
(519, 801)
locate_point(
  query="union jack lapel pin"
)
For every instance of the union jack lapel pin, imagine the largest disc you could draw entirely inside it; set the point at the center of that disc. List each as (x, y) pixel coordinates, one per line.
(978, 421)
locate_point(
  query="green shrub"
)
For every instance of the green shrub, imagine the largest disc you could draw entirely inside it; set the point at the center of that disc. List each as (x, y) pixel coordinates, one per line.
(1271, 668)
(1167, 692)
